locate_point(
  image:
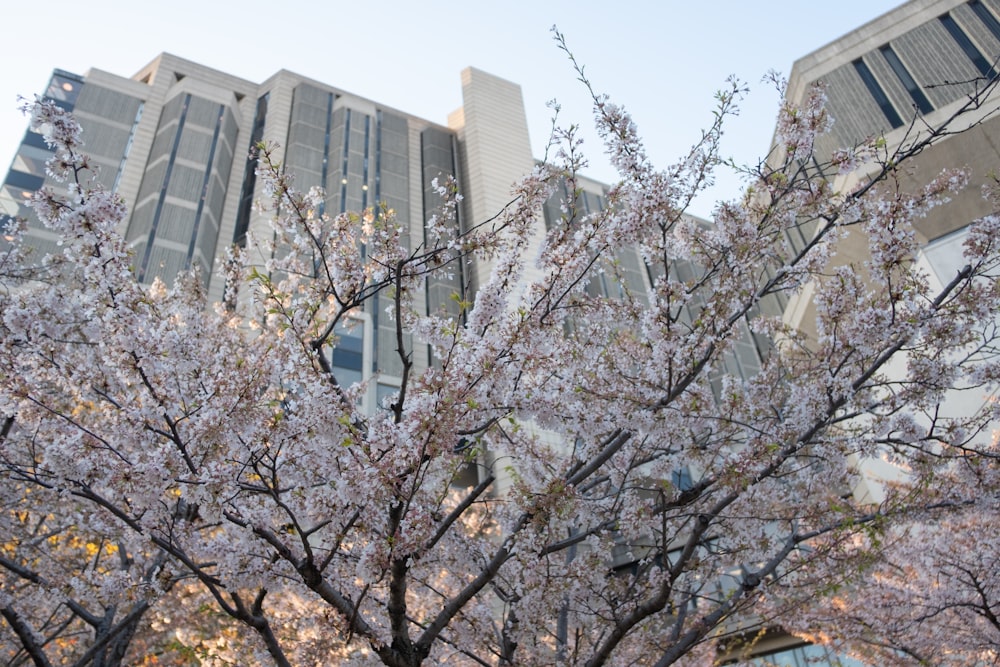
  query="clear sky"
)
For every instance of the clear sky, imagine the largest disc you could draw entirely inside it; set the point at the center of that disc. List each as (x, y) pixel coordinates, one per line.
(662, 59)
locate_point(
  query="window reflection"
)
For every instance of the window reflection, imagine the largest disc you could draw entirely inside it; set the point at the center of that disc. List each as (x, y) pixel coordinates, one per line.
(64, 88)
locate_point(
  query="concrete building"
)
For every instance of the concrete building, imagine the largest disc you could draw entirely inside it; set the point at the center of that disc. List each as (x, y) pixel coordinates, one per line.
(903, 72)
(896, 77)
(173, 141)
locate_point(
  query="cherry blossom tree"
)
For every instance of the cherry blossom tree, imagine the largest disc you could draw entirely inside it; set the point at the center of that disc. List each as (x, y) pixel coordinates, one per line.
(930, 598)
(635, 503)
(925, 591)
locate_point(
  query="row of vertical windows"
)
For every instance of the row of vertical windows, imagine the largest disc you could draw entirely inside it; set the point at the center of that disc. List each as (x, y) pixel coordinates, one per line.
(27, 173)
(904, 76)
(326, 148)
(204, 188)
(437, 160)
(349, 152)
(144, 265)
(964, 43)
(176, 222)
(364, 167)
(378, 156)
(347, 147)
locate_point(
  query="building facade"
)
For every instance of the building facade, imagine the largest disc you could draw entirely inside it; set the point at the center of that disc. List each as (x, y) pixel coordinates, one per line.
(897, 77)
(174, 139)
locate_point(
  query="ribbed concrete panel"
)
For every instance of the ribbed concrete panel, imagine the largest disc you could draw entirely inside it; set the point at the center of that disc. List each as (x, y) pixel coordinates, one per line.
(495, 138)
(391, 167)
(981, 36)
(307, 135)
(854, 111)
(936, 61)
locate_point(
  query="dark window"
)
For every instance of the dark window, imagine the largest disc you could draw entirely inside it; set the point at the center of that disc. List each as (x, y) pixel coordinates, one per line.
(967, 46)
(250, 175)
(364, 173)
(681, 479)
(378, 157)
(876, 90)
(343, 171)
(916, 94)
(28, 182)
(986, 16)
(326, 148)
(206, 179)
(36, 140)
(350, 341)
(147, 253)
(128, 146)
(64, 88)
(347, 359)
(348, 355)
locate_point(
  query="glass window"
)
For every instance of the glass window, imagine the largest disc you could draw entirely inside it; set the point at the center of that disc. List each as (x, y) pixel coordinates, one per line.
(345, 160)
(385, 394)
(31, 160)
(348, 353)
(36, 140)
(967, 46)
(681, 478)
(26, 182)
(9, 204)
(250, 174)
(10, 193)
(346, 359)
(65, 88)
(916, 94)
(986, 17)
(807, 655)
(346, 377)
(876, 91)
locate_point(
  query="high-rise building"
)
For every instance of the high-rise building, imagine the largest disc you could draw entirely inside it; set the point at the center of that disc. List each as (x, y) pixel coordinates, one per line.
(895, 78)
(173, 140)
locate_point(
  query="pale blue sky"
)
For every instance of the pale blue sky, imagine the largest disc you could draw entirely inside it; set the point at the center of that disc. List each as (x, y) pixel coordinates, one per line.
(663, 60)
